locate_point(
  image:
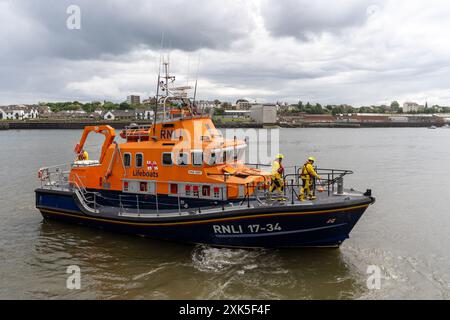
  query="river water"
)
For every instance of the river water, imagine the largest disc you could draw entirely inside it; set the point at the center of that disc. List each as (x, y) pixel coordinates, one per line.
(405, 234)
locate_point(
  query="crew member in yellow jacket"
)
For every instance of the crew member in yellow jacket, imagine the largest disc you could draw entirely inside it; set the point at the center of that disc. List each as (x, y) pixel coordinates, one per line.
(307, 175)
(277, 175)
(83, 155)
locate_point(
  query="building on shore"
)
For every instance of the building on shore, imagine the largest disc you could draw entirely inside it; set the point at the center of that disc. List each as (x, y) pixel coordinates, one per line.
(114, 115)
(139, 114)
(151, 101)
(144, 114)
(19, 112)
(242, 104)
(133, 99)
(68, 114)
(412, 107)
(205, 104)
(264, 113)
(236, 114)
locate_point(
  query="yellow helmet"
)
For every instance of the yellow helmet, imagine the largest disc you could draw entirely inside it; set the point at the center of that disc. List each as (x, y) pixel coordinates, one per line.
(312, 159)
(280, 156)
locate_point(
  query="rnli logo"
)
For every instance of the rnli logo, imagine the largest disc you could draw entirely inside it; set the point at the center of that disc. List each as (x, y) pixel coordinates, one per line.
(152, 166)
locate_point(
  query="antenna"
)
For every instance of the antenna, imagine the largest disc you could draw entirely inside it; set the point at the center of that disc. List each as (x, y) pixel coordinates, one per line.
(196, 81)
(157, 96)
(195, 94)
(157, 85)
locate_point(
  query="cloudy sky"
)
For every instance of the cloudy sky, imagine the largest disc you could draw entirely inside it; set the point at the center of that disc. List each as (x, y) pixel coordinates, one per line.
(359, 52)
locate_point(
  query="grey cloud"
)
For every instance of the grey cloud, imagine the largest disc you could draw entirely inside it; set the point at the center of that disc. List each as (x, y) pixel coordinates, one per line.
(115, 27)
(304, 19)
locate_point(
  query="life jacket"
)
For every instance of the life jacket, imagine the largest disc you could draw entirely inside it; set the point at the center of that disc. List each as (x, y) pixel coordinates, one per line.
(277, 169)
(305, 173)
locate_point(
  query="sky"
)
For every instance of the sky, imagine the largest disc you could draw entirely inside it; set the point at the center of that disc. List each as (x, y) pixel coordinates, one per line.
(358, 52)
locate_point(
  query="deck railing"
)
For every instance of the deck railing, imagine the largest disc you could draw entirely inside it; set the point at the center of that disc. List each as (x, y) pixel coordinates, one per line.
(57, 177)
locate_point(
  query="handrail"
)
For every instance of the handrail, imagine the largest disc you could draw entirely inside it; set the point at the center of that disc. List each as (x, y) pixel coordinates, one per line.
(255, 190)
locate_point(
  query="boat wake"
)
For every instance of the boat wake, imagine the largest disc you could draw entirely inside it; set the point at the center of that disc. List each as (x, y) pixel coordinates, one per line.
(241, 274)
(214, 260)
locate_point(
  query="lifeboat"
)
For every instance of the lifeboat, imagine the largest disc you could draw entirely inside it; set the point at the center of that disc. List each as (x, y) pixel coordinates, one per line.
(180, 180)
(135, 133)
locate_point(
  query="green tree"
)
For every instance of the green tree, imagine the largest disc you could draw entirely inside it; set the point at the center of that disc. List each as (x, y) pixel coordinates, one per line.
(108, 105)
(88, 107)
(395, 106)
(317, 109)
(124, 106)
(218, 111)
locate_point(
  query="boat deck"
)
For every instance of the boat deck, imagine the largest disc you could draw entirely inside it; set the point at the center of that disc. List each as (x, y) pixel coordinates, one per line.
(333, 195)
(252, 204)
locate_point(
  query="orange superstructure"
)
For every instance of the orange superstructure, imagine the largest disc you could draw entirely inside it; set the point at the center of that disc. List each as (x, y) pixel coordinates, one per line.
(185, 156)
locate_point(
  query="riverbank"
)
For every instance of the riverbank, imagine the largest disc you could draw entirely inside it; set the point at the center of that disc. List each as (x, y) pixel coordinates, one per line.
(23, 125)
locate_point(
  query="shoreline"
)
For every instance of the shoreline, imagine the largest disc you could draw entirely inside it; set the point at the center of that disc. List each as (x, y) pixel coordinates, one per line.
(58, 125)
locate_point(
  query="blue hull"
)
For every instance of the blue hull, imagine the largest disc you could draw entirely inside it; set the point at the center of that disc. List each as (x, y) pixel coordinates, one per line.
(273, 227)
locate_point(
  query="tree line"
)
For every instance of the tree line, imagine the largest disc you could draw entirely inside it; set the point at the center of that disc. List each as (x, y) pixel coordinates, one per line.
(394, 107)
(89, 107)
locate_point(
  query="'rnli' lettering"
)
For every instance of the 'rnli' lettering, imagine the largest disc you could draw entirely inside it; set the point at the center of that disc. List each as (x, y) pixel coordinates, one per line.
(166, 134)
(227, 229)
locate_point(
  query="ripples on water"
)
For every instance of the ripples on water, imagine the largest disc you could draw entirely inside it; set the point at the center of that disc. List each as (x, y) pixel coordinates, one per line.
(405, 233)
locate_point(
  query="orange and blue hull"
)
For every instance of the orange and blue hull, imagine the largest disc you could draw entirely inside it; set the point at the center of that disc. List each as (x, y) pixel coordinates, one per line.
(324, 225)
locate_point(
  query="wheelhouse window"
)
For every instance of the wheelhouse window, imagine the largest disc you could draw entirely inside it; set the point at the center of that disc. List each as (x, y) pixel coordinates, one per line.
(127, 160)
(139, 160)
(227, 155)
(212, 159)
(182, 159)
(167, 159)
(197, 158)
(224, 157)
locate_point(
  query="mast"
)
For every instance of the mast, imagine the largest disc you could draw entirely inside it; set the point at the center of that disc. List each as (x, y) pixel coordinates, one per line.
(164, 84)
(157, 96)
(196, 81)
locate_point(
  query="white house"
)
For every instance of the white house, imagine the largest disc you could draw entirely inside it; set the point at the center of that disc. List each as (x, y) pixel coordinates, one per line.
(144, 114)
(109, 115)
(412, 107)
(203, 104)
(119, 115)
(140, 114)
(19, 112)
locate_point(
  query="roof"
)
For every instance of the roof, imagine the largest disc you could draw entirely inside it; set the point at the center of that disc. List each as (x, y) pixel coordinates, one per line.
(237, 111)
(20, 107)
(122, 113)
